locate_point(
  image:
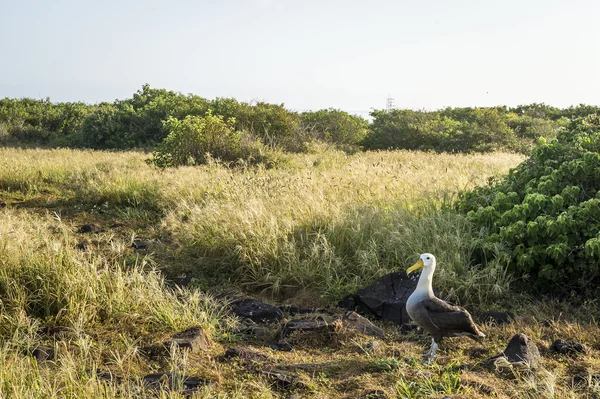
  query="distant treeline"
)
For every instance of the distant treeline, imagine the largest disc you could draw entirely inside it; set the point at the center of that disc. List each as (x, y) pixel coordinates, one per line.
(140, 121)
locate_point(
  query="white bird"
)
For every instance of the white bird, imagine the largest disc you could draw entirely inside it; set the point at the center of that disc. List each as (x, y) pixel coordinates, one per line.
(437, 317)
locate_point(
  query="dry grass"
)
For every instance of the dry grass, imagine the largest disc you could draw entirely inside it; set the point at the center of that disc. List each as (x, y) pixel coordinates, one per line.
(322, 224)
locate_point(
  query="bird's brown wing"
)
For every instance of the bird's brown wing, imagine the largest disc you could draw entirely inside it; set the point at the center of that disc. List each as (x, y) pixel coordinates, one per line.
(450, 320)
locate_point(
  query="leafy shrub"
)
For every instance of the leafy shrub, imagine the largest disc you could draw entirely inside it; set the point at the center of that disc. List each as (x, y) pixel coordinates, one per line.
(544, 217)
(195, 140)
(273, 124)
(334, 125)
(40, 121)
(138, 121)
(478, 129)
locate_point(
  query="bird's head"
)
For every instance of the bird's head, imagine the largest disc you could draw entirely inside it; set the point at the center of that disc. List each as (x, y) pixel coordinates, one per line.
(426, 261)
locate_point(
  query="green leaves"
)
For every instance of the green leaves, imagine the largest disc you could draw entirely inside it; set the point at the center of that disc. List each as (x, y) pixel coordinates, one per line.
(546, 212)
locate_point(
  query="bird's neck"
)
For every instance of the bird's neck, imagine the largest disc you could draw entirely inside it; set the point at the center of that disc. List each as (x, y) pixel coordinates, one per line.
(424, 286)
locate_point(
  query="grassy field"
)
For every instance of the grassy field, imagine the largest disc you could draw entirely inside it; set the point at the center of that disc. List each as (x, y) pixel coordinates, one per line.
(306, 233)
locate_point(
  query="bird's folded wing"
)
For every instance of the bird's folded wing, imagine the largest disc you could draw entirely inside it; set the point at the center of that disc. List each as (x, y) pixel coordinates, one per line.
(449, 317)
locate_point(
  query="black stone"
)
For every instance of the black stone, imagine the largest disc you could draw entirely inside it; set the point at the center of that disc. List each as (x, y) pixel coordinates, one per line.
(43, 353)
(142, 244)
(566, 347)
(257, 311)
(282, 379)
(306, 325)
(386, 297)
(354, 321)
(521, 349)
(282, 346)
(90, 228)
(244, 354)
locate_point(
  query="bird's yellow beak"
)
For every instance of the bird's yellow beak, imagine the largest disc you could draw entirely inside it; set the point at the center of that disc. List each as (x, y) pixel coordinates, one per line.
(414, 267)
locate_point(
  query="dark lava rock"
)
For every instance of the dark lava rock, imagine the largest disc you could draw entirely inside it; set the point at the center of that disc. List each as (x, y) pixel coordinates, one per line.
(520, 351)
(245, 354)
(257, 311)
(375, 394)
(43, 353)
(386, 297)
(354, 321)
(194, 339)
(83, 245)
(108, 377)
(497, 317)
(306, 325)
(566, 347)
(282, 379)
(142, 244)
(282, 346)
(90, 228)
(175, 382)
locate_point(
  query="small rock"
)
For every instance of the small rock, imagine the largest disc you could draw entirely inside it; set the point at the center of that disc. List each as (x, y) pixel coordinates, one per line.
(43, 353)
(497, 317)
(245, 354)
(520, 351)
(282, 346)
(257, 311)
(306, 325)
(83, 245)
(564, 347)
(282, 379)
(354, 321)
(194, 338)
(174, 382)
(142, 244)
(90, 228)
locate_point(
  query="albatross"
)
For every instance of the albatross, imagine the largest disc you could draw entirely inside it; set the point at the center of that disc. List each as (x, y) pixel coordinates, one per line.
(437, 317)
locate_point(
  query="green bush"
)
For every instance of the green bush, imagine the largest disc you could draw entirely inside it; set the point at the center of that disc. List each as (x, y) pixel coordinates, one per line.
(335, 126)
(544, 217)
(474, 129)
(40, 121)
(196, 140)
(138, 121)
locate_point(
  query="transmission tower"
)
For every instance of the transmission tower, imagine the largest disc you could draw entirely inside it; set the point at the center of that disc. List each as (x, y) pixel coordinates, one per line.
(389, 105)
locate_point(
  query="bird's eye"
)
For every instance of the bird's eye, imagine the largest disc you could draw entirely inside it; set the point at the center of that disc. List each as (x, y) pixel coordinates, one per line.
(428, 258)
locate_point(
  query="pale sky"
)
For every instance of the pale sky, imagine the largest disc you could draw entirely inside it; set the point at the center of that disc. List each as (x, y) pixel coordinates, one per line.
(307, 54)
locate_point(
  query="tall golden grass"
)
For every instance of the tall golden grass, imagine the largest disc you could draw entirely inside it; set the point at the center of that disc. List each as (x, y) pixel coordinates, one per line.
(323, 223)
